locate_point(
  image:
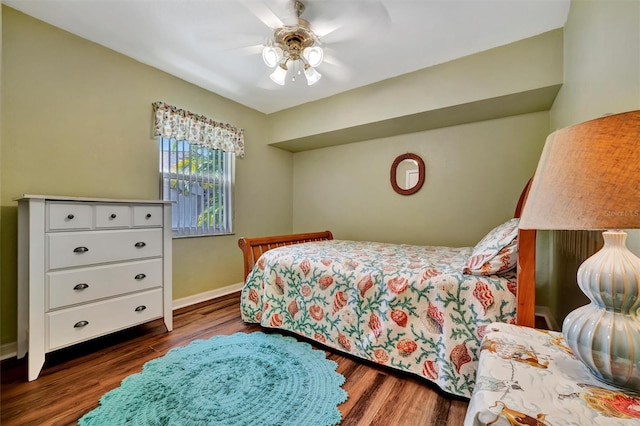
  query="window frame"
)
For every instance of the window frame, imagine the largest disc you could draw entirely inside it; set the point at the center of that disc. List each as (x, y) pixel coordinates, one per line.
(182, 213)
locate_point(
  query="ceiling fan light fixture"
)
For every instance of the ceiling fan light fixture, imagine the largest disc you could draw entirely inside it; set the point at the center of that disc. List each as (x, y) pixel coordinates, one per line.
(313, 55)
(279, 74)
(271, 55)
(294, 44)
(312, 75)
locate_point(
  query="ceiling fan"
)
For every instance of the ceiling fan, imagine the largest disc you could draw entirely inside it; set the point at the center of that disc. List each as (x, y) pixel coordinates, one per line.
(298, 45)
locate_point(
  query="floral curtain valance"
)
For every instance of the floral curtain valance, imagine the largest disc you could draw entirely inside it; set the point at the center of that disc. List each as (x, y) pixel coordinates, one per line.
(172, 122)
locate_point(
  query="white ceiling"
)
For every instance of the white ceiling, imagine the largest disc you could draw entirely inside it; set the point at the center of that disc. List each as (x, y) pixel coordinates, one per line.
(215, 44)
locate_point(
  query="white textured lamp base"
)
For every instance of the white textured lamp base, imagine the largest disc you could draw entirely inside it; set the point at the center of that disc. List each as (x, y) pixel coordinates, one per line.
(605, 335)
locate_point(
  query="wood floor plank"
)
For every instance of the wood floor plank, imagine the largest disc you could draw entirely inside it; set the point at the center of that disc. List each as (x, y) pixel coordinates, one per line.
(73, 379)
(405, 405)
(457, 411)
(366, 406)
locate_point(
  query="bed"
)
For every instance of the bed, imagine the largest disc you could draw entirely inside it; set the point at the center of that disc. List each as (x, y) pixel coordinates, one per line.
(418, 309)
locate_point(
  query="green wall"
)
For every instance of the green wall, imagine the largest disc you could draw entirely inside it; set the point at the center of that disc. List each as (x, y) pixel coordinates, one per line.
(77, 121)
(601, 76)
(474, 175)
(601, 61)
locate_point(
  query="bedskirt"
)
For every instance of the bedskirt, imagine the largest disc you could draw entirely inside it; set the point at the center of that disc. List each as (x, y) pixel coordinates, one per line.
(403, 306)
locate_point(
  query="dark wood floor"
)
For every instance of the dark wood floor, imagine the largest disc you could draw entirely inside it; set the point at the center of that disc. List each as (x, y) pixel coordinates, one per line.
(74, 379)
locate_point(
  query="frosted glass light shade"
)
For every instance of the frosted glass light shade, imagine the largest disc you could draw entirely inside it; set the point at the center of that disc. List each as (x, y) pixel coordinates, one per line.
(312, 75)
(313, 55)
(279, 75)
(605, 335)
(271, 55)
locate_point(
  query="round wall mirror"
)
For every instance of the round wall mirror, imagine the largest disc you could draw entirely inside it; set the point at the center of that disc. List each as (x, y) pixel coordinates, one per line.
(407, 174)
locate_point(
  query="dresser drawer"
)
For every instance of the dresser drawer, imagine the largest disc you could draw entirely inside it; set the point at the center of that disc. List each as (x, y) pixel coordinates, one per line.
(84, 322)
(67, 249)
(66, 216)
(113, 216)
(147, 215)
(72, 287)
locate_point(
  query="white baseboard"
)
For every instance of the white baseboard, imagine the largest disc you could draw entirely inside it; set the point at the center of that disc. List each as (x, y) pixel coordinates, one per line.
(545, 312)
(10, 349)
(207, 295)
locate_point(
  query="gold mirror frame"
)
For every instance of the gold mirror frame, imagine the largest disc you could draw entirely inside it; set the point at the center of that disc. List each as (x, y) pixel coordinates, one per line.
(394, 169)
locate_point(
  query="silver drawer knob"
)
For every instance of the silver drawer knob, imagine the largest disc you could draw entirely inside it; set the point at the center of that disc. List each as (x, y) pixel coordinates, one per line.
(80, 250)
(141, 308)
(81, 324)
(81, 286)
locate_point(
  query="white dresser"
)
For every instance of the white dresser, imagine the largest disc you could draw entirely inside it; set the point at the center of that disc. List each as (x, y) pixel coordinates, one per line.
(88, 267)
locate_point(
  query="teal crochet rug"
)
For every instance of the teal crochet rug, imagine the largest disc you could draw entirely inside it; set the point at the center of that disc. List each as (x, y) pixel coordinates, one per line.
(242, 379)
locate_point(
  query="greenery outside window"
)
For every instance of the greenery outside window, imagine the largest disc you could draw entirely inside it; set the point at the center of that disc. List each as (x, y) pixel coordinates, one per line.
(200, 181)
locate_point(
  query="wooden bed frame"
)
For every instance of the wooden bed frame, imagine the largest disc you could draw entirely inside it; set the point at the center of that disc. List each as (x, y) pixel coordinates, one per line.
(252, 249)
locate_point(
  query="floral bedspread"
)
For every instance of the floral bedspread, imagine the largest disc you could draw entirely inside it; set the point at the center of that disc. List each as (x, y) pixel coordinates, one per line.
(404, 306)
(530, 377)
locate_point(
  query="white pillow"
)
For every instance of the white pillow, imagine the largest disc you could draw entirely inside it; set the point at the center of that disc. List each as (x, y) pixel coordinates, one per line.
(496, 252)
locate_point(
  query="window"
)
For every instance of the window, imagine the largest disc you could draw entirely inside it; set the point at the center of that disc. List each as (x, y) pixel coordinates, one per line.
(197, 160)
(200, 181)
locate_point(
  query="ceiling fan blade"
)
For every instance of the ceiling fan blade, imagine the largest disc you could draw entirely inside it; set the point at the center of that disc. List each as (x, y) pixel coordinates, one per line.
(273, 13)
(256, 49)
(229, 41)
(335, 69)
(349, 20)
(261, 11)
(325, 28)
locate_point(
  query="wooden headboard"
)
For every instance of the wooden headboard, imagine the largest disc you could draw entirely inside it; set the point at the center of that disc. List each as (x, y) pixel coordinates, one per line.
(526, 268)
(252, 249)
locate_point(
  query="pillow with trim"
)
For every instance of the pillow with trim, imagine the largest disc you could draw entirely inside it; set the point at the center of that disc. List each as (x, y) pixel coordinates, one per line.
(496, 252)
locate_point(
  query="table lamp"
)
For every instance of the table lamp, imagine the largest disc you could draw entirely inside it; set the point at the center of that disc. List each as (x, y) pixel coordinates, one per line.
(588, 178)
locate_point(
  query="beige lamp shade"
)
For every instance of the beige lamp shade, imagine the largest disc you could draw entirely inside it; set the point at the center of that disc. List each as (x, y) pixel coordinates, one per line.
(588, 177)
